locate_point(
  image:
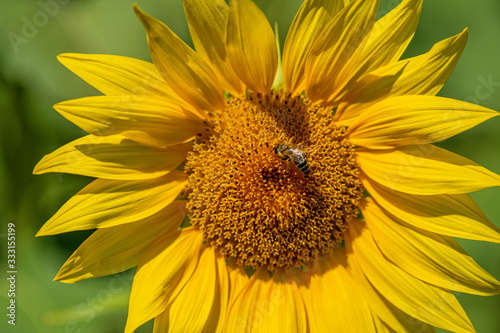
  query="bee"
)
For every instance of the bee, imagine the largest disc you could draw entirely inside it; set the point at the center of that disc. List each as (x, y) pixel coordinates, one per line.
(290, 152)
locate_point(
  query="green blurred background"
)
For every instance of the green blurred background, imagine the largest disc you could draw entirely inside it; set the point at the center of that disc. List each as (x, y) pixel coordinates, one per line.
(32, 80)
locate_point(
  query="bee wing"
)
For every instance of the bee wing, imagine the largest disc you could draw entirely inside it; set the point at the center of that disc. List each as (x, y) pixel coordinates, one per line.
(304, 148)
(298, 158)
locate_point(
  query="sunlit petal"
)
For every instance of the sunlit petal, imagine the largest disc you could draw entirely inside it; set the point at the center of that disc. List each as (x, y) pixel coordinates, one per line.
(113, 157)
(403, 290)
(207, 24)
(309, 22)
(421, 75)
(433, 258)
(251, 46)
(425, 169)
(106, 203)
(181, 67)
(116, 249)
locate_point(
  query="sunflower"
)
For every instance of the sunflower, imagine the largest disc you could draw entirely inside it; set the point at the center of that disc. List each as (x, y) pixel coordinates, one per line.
(260, 193)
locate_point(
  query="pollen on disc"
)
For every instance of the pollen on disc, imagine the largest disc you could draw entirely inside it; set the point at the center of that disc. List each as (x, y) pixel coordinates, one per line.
(252, 205)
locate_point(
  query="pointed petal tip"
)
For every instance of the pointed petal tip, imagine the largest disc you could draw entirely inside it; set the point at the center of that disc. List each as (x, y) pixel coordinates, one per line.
(62, 275)
(47, 230)
(192, 80)
(61, 57)
(64, 57)
(38, 169)
(41, 232)
(59, 278)
(140, 14)
(64, 278)
(136, 8)
(464, 35)
(57, 106)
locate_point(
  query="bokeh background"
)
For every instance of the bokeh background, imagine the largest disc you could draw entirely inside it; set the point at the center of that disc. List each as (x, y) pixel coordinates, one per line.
(32, 80)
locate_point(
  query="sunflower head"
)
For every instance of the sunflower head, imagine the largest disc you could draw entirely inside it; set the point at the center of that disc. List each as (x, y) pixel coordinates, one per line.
(256, 208)
(321, 200)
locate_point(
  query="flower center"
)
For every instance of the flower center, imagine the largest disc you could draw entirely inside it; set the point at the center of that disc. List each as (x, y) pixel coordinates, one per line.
(273, 182)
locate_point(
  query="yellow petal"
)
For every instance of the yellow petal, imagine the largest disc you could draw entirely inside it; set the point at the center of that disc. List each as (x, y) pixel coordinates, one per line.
(207, 24)
(411, 324)
(425, 170)
(421, 75)
(380, 326)
(427, 73)
(385, 43)
(238, 278)
(337, 303)
(164, 269)
(161, 322)
(435, 306)
(309, 296)
(197, 297)
(263, 305)
(117, 75)
(113, 157)
(309, 22)
(278, 81)
(334, 47)
(394, 320)
(430, 257)
(455, 215)
(412, 120)
(106, 203)
(251, 46)
(206, 294)
(287, 283)
(389, 37)
(153, 120)
(220, 307)
(181, 67)
(116, 249)
(359, 96)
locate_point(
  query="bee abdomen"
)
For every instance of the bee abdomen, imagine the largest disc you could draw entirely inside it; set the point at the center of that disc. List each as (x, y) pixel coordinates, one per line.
(304, 167)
